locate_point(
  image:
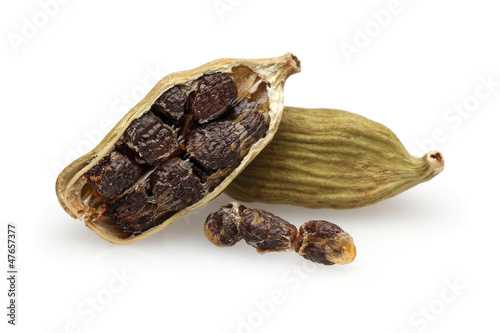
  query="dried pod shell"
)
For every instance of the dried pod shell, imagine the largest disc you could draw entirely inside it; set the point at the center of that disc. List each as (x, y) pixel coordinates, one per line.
(258, 80)
(324, 158)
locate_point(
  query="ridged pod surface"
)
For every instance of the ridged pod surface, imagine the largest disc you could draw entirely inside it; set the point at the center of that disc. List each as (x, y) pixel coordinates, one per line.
(325, 158)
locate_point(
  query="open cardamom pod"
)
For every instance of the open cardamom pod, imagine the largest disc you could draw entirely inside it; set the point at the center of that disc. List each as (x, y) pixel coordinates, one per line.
(178, 148)
(324, 158)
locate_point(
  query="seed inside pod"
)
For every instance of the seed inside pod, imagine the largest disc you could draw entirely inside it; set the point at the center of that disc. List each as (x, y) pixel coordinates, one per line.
(114, 174)
(214, 95)
(177, 159)
(133, 211)
(171, 104)
(247, 114)
(215, 145)
(151, 139)
(325, 243)
(152, 144)
(174, 185)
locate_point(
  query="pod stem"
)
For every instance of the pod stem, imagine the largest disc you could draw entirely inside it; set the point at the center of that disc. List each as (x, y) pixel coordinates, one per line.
(435, 160)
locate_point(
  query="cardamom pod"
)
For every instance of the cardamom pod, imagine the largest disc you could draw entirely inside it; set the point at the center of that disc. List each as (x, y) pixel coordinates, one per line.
(178, 148)
(324, 158)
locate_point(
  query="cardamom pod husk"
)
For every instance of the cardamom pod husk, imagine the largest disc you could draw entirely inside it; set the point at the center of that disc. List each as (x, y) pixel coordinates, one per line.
(325, 158)
(178, 148)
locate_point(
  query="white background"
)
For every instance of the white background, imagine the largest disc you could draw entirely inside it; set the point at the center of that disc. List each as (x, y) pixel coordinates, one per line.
(427, 259)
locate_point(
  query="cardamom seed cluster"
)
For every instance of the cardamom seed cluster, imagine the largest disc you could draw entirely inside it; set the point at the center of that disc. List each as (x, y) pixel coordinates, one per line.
(317, 240)
(178, 148)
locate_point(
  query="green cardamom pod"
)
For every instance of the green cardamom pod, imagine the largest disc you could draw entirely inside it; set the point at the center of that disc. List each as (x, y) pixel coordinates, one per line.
(324, 158)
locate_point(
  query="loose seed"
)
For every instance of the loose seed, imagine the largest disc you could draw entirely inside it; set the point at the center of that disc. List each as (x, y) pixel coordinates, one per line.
(221, 227)
(325, 243)
(319, 241)
(266, 231)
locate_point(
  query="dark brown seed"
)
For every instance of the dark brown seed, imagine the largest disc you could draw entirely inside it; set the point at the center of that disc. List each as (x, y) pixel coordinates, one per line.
(174, 185)
(216, 178)
(247, 114)
(213, 96)
(153, 140)
(325, 243)
(221, 227)
(133, 212)
(211, 179)
(114, 174)
(171, 104)
(243, 107)
(266, 231)
(215, 145)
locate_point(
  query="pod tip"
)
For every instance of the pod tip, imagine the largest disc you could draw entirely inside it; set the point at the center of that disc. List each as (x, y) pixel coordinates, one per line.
(435, 160)
(297, 61)
(292, 61)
